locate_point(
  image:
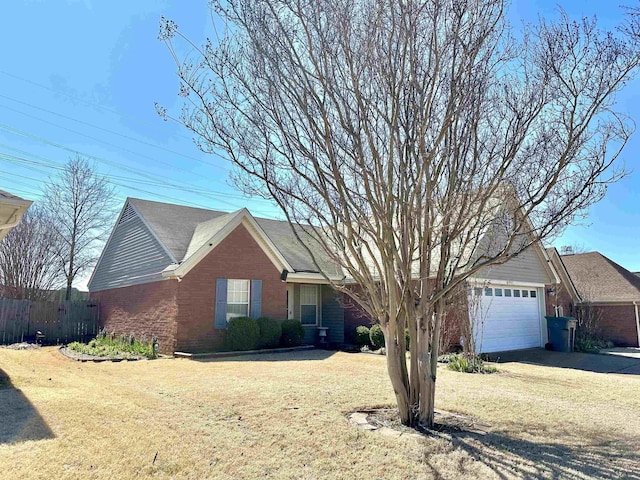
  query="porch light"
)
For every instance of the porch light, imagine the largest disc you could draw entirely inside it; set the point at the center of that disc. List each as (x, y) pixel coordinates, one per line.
(283, 275)
(322, 335)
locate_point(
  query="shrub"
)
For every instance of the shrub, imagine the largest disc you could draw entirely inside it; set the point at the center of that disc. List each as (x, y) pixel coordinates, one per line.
(243, 333)
(270, 331)
(109, 345)
(362, 336)
(468, 363)
(590, 344)
(292, 333)
(376, 336)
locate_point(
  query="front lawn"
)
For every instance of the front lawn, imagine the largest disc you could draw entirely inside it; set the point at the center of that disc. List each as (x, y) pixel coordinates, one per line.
(283, 416)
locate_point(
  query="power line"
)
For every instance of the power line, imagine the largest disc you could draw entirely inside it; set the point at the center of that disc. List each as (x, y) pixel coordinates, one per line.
(144, 142)
(163, 181)
(49, 164)
(170, 165)
(82, 100)
(13, 159)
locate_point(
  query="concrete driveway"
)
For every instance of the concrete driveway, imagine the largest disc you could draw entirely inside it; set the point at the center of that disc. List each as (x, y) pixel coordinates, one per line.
(601, 363)
(631, 352)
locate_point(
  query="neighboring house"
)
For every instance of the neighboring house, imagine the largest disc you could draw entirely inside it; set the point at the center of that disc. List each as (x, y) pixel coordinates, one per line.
(591, 280)
(11, 210)
(181, 273)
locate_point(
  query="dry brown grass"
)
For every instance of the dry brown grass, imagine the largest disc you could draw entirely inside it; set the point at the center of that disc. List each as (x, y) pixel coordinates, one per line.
(283, 416)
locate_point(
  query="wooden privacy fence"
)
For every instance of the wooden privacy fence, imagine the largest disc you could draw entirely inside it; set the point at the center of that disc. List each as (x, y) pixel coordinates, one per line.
(59, 322)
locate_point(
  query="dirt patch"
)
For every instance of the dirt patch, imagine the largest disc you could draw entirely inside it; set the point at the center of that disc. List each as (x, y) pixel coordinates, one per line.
(385, 419)
(22, 346)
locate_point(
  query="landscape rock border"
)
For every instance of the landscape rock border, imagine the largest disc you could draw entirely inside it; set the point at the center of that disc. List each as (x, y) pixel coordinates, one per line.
(83, 357)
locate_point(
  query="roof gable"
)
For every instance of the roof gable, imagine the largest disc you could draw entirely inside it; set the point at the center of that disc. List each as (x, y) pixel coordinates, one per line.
(599, 279)
(182, 230)
(209, 235)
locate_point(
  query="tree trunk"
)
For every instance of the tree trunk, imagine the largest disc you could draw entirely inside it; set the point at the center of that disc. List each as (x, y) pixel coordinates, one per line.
(397, 369)
(430, 365)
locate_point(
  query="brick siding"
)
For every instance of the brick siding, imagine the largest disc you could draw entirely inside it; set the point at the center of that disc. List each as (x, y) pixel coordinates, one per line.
(618, 324)
(354, 316)
(145, 310)
(237, 256)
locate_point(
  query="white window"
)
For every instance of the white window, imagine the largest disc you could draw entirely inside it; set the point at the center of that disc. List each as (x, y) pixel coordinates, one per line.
(237, 298)
(533, 294)
(309, 304)
(516, 293)
(498, 292)
(488, 292)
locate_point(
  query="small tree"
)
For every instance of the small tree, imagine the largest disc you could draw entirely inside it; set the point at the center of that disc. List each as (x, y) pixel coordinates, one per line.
(79, 203)
(29, 267)
(412, 143)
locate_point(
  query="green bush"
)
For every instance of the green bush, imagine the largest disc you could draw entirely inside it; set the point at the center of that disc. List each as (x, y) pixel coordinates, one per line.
(110, 345)
(590, 344)
(270, 331)
(376, 336)
(292, 333)
(243, 333)
(362, 336)
(466, 363)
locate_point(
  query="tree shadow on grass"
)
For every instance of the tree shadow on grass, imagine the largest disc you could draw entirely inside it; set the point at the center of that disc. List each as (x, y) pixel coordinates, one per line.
(511, 457)
(19, 419)
(295, 356)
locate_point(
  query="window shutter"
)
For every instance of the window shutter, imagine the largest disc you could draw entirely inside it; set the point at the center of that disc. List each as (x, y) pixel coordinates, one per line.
(221, 303)
(256, 298)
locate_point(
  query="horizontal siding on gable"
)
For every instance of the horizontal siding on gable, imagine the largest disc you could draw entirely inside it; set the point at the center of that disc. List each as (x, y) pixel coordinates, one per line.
(132, 256)
(527, 267)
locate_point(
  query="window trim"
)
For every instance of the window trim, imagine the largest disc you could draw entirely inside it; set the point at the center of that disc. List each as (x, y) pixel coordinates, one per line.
(315, 287)
(248, 304)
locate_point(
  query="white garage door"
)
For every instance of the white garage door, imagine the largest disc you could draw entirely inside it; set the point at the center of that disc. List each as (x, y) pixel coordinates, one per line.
(506, 318)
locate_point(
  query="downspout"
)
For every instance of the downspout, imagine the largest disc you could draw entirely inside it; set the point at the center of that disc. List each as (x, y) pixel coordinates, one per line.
(635, 304)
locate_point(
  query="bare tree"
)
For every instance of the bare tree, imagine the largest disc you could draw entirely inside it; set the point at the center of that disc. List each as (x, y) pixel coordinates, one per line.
(80, 205)
(413, 143)
(29, 267)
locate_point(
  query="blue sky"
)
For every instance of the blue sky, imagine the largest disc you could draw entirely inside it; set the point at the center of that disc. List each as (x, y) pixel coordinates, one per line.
(82, 76)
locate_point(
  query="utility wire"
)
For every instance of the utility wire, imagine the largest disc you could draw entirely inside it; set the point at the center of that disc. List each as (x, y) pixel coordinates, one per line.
(82, 100)
(13, 159)
(156, 178)
(113, 132)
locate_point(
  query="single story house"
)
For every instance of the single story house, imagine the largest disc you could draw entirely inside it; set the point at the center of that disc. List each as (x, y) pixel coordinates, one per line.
(593, 281)
(11, 210)
(180, 273)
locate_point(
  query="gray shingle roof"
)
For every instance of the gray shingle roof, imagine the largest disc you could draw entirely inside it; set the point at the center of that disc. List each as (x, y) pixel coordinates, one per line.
(600, 279)
(4, 194)
(181, 229)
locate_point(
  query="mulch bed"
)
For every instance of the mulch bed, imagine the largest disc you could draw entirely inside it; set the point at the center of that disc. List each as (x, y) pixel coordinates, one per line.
(83, 357)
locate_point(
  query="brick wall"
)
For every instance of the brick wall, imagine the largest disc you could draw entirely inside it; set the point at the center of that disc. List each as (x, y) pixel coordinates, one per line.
(237, 256)
(618, 324)
(458, 312)
(560, 297)
(142, 310)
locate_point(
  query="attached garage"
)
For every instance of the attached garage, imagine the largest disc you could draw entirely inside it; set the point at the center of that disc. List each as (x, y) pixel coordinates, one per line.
(507, 317)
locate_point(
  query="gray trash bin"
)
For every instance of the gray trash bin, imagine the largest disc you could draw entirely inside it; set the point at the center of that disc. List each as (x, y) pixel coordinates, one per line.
(562, 333)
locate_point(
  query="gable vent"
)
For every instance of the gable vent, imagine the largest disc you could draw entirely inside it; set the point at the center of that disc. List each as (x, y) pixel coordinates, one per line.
(128, 214)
